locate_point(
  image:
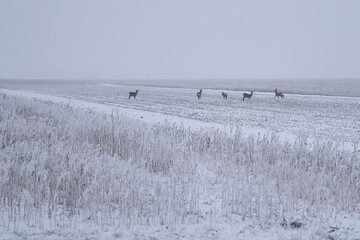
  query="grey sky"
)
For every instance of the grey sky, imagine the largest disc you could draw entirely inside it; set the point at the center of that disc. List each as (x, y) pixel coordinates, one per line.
(180, 39)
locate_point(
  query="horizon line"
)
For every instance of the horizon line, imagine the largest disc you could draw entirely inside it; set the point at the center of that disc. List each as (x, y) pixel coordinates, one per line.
(200, 79)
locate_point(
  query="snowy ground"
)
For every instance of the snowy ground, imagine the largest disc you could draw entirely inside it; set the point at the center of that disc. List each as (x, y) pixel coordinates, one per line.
(334, 118)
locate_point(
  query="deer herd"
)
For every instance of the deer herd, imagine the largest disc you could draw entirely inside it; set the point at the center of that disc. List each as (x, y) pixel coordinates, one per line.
(224, 94)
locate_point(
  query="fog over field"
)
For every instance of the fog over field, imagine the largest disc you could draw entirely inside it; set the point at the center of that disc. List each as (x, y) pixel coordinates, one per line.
(183, 119)
(327, 87)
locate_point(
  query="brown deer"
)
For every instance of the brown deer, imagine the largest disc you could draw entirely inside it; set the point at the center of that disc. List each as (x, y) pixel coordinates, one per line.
(278, 94)
(224, 95)
(246, 95)
(199, 94)
(133, 94)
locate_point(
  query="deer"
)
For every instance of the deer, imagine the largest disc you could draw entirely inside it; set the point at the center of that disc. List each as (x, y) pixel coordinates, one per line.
(224, 95)
(133, 94)
(247, 95)
(278, 94)
(198, 94)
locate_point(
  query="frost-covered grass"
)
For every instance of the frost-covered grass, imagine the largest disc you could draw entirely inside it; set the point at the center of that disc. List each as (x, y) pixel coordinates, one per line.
(59, 163)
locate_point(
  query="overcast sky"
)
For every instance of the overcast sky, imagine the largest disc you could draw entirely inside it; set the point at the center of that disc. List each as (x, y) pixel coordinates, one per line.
(180, 39)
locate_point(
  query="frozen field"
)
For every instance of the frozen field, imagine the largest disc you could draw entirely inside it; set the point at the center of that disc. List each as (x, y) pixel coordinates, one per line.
(335, 118)
(81, 161)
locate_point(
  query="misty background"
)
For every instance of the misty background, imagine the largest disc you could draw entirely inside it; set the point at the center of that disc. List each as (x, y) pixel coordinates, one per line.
(165, 39)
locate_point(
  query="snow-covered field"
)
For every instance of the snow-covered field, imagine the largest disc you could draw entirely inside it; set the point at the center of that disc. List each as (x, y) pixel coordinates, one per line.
(79, 160)
(334, 118)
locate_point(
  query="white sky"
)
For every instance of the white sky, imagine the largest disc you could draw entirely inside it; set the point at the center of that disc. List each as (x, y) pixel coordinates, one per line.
(180, 39)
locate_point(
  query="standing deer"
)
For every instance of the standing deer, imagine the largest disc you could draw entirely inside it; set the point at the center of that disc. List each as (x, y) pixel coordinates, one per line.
(246, 95)
(199, 94)
(133, 94)
(278, 94)
(224, 95)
